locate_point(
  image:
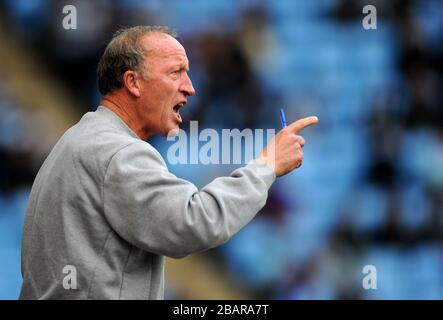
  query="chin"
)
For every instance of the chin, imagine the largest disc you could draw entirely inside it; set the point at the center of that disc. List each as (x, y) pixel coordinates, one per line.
(173, 132)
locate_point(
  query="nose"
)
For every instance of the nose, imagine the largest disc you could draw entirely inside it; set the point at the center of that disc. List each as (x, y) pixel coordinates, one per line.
(187, 87)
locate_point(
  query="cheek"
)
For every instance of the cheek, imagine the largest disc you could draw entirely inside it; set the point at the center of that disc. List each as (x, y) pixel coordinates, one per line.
(159, 97)
(168, 97)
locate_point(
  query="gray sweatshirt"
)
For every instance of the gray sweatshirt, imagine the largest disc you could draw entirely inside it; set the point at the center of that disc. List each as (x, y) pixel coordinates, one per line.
(104, 211)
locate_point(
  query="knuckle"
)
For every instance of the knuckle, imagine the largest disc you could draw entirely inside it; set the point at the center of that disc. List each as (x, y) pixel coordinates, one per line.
(284, 131)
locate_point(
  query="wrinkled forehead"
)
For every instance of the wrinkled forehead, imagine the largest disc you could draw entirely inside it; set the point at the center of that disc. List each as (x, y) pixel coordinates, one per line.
(162, 47)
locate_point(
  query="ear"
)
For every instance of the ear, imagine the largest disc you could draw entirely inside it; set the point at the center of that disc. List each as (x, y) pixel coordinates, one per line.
(131, 82)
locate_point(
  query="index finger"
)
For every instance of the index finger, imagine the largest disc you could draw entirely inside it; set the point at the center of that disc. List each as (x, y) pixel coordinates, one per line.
(301, 124)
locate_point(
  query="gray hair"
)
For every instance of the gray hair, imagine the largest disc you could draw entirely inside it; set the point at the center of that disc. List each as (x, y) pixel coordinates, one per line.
(124, 52)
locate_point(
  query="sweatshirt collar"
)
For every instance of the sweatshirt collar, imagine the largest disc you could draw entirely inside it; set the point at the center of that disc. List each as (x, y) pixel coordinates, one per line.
(115, 119)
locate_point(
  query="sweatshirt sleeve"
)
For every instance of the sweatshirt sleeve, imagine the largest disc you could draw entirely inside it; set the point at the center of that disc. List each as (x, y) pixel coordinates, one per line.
(154, 210)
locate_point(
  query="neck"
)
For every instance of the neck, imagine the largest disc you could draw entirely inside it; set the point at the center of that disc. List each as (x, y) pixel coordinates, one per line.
(120, 108)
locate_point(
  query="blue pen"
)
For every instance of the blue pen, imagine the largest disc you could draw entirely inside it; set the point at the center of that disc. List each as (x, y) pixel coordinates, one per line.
(282, 118)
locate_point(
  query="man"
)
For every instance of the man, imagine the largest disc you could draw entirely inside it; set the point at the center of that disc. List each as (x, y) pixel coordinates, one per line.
(104, 210)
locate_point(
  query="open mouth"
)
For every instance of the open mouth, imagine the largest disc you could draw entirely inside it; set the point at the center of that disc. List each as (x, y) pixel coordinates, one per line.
(177, 108)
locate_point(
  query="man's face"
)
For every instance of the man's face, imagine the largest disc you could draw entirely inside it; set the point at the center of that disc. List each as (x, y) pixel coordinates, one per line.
(166, 85)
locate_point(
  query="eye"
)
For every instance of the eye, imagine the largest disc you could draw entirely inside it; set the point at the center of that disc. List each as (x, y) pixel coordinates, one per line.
(176, 73)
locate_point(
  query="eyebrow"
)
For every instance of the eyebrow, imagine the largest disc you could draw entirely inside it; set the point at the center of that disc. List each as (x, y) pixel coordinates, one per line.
(181, 64)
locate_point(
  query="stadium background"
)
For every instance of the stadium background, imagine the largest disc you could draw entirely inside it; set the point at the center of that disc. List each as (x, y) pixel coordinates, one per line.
(371, 187)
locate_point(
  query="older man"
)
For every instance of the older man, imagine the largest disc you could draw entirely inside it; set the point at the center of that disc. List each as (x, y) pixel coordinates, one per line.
(104, 210)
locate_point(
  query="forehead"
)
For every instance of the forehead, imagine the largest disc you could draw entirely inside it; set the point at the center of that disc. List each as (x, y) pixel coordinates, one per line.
(163, 47)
